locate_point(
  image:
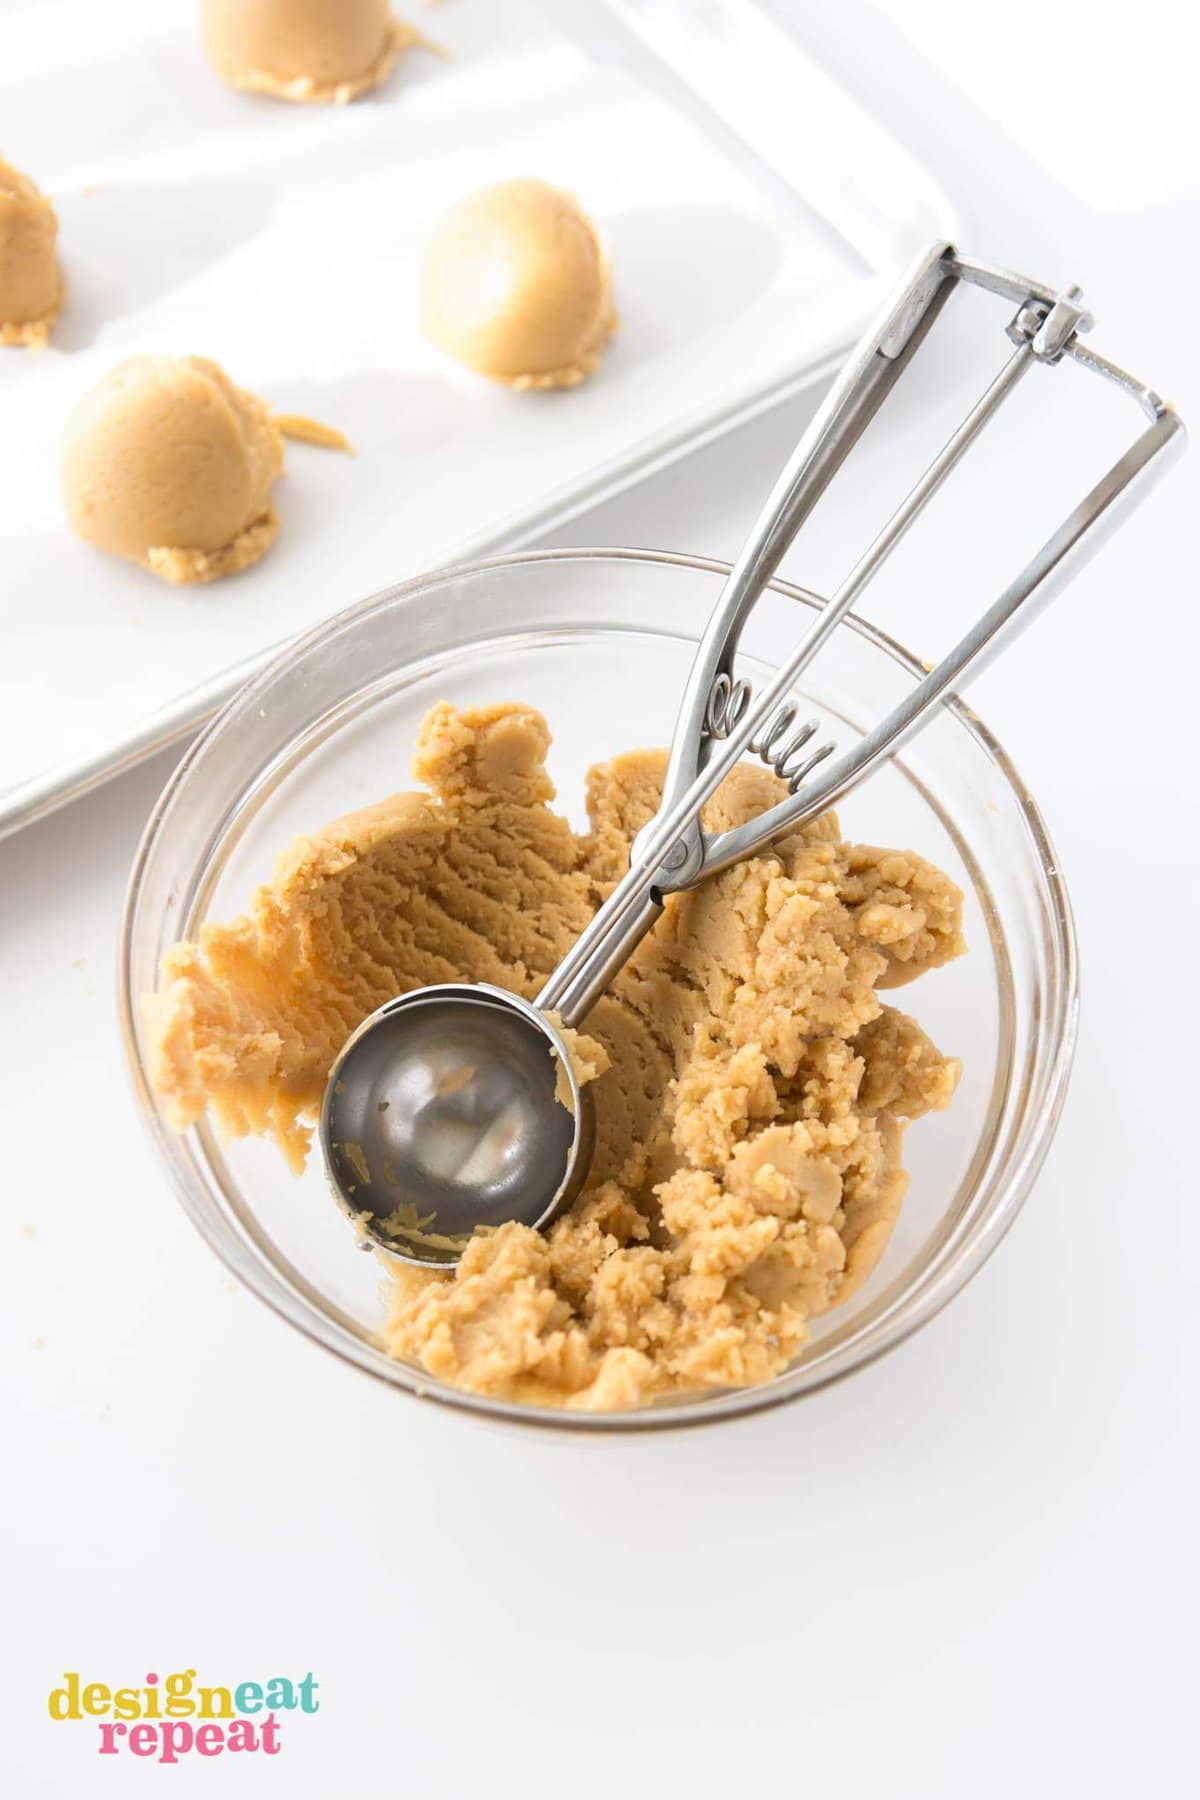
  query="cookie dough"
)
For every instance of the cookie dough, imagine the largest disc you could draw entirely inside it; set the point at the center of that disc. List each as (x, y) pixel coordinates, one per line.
(31, 281)
(311, 50)
(751, 1087)
(170, 464)
(517, 286)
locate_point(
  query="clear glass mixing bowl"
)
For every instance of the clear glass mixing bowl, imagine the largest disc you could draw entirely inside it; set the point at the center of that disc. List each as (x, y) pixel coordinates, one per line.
(600, 641)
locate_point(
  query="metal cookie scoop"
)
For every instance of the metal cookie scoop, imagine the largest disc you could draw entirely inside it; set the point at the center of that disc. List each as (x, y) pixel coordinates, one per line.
(441, 1113)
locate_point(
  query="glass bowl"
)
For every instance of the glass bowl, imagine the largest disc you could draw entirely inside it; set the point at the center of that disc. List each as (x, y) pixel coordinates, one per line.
(601, 641)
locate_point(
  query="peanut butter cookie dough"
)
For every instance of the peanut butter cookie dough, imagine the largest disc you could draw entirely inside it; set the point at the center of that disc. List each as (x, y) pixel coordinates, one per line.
(31, 280)
(326, 51)
(516, 285)
(168, 463)
(751, 1087)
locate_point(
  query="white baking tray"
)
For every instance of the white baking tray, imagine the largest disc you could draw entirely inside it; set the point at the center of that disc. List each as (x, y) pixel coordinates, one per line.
(754, 214)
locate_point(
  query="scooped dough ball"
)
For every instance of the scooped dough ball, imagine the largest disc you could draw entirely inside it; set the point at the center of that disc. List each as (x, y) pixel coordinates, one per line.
(168, 463)
(31, 283)
(324, 50)
(516, 285)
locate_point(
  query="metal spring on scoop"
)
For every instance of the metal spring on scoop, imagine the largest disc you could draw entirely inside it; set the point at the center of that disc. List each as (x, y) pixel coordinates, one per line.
(779, 744)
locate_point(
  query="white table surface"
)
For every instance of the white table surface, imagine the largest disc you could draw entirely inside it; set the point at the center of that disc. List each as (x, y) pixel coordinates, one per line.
(970, 1570)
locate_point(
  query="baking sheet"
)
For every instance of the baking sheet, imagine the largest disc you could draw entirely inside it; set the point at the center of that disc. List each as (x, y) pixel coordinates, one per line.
(284, 242)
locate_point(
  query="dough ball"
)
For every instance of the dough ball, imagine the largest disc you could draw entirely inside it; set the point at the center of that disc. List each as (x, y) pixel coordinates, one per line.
(516, 285)
(324, 50)
(168, 463)
(31, 283)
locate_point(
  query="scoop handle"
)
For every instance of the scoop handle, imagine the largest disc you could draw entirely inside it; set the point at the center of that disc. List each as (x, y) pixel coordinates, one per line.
(669, 853)
(861, 387)
(600, 952)
(673, 851)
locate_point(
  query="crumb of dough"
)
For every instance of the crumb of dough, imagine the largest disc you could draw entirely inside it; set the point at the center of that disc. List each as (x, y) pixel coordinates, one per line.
(588, 1059)
(31, 278)
(356, 1157)
(168, 463)
(751, 1086)
(516, 285)
(192, 568)
(311, 431)
(322, 52)
(27, 334)
(409, 1230)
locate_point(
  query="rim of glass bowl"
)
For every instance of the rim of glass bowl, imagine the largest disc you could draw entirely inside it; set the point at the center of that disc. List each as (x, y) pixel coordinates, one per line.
(952, 1269)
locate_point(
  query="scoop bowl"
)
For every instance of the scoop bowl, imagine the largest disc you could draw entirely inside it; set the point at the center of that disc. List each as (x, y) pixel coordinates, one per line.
(454, 1107)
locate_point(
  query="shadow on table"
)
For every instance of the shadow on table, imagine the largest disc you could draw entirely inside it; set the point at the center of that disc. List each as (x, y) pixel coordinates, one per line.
(124, 247)
(683, 270)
